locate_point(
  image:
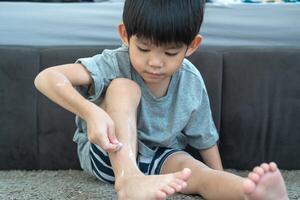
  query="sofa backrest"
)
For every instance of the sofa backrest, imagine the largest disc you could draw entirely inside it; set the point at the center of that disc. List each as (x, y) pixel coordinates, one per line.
(254, 96)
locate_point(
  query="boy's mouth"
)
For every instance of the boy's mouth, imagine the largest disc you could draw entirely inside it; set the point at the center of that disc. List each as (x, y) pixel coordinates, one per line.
(155, 74)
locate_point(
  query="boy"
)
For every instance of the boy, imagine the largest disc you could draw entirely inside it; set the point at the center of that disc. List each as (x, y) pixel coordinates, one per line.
(145, 103)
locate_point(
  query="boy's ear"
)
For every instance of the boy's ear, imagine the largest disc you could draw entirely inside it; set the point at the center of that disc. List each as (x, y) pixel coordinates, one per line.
(123, 34)
(194, 45)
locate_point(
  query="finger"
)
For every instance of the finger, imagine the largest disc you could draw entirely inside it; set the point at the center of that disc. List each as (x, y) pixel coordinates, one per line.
(111, 134)
(108, 146)
(112, 148)
(119, 146)
(113, 144)
(105, 143)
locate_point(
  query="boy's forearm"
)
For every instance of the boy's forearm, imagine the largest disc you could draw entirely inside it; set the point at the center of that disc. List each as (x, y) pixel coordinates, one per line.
(211, 157)
(59, 89)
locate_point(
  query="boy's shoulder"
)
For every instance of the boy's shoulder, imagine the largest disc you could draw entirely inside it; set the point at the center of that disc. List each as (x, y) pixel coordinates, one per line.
(190, 71)
(189, 67)
(118, 58)
(115, 52)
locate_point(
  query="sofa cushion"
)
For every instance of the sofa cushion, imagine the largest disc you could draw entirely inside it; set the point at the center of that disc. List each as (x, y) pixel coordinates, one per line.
(261, 108)
(18, 119)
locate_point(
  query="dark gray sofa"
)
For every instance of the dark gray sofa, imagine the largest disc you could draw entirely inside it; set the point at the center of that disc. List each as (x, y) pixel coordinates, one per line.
(250, 61)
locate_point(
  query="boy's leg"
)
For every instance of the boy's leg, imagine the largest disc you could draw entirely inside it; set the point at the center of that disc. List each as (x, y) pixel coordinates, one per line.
(264, 183)
(121, 101)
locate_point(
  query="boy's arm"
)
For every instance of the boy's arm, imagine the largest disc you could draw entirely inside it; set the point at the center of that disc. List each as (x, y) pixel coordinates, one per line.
(211, 157)
(57, 83)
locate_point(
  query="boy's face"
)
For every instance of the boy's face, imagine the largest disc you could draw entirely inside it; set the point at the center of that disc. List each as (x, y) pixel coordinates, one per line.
(155, 64)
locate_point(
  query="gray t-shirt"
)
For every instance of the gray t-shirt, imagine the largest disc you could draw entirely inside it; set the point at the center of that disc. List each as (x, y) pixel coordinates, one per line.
(181, 117)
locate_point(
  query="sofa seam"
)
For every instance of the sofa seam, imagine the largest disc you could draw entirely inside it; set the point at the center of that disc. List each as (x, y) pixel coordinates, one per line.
(38, 114)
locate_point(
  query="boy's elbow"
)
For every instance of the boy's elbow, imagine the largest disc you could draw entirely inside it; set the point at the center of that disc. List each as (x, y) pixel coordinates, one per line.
(40, 78)
(37, 80)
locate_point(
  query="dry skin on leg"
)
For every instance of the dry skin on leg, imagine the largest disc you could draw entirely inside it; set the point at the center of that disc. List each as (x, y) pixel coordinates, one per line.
(121, 102)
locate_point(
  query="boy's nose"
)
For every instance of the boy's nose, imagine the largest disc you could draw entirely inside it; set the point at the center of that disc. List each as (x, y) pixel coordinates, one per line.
(155, 62)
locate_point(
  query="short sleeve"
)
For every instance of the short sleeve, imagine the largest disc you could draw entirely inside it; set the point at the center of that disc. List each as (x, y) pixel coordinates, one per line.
(200, 131)
(103, 69)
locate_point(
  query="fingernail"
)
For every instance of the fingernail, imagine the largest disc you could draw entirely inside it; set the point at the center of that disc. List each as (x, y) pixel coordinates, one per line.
(119, 146)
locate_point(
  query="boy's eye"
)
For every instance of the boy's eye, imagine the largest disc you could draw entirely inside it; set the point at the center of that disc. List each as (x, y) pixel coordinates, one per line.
(142, 49)
(171, 54)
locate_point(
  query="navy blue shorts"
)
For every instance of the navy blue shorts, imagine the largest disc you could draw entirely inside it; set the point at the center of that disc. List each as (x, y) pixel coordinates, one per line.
(148, 165)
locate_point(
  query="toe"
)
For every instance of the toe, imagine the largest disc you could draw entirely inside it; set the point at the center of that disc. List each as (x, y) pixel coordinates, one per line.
(161, 195)
(273, 166)
(248, 186)
(185, 174)
(168, 190)
(259, 171)
(176, 186)
(254, 177)
(265, 167)
(182, 183)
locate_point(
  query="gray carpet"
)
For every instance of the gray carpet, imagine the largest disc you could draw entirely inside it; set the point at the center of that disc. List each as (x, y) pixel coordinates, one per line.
(73, 184)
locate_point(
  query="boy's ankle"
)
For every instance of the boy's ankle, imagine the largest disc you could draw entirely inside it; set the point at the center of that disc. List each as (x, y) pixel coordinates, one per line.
(121, 179)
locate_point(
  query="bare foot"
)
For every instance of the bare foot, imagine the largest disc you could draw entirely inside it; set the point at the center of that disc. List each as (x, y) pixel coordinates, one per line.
(265, 183)
(153, 187)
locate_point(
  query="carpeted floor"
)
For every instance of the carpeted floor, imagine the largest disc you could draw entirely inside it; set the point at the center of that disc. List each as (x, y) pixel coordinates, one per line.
(73, 184)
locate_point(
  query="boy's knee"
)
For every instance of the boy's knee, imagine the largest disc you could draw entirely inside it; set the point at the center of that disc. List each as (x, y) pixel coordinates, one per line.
(125, 86)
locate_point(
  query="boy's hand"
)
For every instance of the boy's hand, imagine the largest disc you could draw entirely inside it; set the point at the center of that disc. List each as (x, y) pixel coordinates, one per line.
(101, 130)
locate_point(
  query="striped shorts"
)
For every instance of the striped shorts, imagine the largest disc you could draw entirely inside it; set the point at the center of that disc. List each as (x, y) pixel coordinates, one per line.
(102, 169)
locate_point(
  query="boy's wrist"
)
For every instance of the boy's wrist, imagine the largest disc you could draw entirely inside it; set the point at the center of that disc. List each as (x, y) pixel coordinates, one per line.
(87, 108)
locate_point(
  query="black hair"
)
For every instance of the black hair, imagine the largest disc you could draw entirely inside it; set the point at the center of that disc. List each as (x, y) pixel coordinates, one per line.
(163, 21)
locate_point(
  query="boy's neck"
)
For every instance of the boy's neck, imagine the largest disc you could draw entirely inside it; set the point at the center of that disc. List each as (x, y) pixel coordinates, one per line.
(159, 89)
